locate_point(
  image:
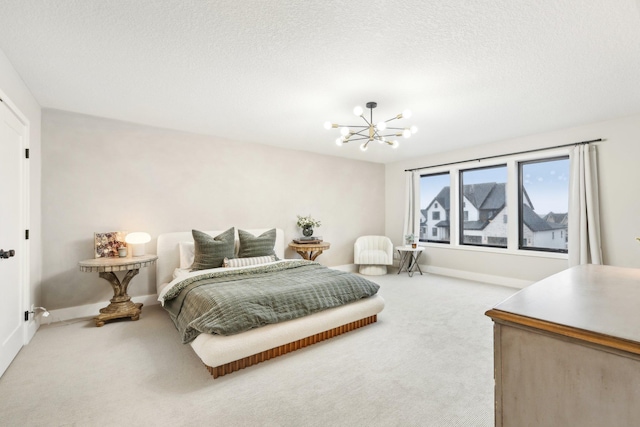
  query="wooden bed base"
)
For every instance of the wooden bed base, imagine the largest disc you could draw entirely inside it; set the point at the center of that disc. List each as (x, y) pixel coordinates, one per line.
(263, 356)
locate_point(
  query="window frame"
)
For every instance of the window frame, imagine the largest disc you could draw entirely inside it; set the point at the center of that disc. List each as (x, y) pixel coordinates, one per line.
(521, 201)
(512, 202)
(428, 240)
(464, 214)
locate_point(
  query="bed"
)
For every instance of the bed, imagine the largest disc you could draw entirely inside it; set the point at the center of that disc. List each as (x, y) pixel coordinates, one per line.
(223, 354)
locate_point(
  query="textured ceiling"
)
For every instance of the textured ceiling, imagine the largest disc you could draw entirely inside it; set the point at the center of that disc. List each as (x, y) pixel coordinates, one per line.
(273, 72)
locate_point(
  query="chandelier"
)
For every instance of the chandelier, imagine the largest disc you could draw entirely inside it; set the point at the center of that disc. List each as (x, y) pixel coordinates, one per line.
(370, 131)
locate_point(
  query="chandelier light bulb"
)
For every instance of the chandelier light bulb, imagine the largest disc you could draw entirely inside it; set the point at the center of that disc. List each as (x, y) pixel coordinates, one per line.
(381, 126)
(357, 110)
(364, 146)
(339, 142)
(395, 144)
(413, 129)
(328, 125)
(406, 133)
(344, 131)
(406, 114)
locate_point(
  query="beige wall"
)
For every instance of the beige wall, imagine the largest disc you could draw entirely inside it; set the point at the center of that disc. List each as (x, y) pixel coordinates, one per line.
(102, 175)
(18, 97)
(619, 178)
(105, 175)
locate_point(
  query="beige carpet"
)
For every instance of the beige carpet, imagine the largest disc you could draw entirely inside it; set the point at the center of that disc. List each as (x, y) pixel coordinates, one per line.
(427, 362)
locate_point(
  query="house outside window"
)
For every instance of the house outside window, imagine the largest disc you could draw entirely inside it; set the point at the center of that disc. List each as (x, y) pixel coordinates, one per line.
(434, 207)
(491, 208)
(484, 189)
(544, 204)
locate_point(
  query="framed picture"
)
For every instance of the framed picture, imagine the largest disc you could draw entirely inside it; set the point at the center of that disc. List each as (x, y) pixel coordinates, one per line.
(106, 244)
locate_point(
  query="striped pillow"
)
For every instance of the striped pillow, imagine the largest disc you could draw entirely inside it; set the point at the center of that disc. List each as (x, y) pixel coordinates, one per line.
(252, 246)
(243, 262)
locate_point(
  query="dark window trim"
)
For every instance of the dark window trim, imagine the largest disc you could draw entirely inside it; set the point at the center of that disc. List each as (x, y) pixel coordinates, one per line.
(461, 202)
(446, 242)
(521, 238)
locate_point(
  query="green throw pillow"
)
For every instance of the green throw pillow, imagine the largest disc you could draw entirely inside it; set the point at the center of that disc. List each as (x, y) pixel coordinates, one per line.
(252, 246)
(210, 252)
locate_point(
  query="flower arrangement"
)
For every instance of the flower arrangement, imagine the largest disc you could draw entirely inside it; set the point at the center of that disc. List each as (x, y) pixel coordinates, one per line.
(409, 238)
(307, 222)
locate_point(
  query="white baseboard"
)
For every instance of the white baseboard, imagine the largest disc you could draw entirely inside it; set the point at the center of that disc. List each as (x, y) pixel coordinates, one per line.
(92, 310)
(478, 277)
(458, 274)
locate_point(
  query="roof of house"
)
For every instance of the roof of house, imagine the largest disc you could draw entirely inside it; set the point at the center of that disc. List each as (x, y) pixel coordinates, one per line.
(475, 225)
(558, 218)
(483, 196)
(535, 223)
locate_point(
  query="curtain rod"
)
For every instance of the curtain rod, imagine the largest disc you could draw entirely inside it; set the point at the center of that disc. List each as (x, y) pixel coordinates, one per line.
(504, 155)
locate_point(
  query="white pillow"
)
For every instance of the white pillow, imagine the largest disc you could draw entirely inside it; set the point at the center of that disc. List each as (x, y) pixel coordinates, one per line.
(244, 262)
(187, 254)
(179, 272)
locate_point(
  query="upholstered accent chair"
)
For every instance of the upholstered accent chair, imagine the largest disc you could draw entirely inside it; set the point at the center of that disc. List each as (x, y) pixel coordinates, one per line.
(373, 254)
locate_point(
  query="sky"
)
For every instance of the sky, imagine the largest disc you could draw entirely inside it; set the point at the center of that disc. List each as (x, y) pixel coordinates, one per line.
(546, 183)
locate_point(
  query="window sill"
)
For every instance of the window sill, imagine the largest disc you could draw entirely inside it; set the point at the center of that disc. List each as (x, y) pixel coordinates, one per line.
(503, 251)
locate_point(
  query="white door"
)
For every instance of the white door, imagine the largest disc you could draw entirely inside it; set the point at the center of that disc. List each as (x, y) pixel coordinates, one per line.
(12, 322)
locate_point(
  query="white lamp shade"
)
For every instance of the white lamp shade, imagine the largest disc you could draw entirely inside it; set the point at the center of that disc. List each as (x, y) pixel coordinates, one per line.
(137, 241)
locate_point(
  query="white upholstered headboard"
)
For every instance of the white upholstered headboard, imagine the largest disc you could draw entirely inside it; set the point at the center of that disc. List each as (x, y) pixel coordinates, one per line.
(168, 251)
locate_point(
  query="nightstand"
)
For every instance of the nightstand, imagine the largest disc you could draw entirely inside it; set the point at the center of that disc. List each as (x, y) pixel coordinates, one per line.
(309, 251)
(121, 304)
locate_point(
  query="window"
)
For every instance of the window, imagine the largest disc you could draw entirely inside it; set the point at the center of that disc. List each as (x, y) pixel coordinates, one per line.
(516, 203)
(435, 193)
(485, 191)
(544, 204)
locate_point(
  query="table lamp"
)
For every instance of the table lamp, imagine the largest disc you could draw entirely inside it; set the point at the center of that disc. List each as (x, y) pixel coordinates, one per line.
(137, 241)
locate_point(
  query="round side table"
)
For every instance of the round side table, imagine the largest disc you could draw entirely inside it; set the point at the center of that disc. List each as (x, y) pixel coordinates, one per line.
(121, 304)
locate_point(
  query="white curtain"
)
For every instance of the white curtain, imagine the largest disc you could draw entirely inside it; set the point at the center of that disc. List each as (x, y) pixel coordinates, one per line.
(584, 211)
(412, 206)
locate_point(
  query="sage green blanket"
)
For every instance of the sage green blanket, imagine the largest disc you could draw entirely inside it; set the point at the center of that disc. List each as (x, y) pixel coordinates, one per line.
(230, 302)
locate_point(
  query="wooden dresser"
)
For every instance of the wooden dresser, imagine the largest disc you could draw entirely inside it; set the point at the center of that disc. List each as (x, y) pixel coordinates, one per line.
(567, 350)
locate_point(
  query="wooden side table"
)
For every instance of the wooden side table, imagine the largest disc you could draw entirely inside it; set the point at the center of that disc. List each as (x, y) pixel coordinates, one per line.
(121, 304)
(309, 251)
(409, 259)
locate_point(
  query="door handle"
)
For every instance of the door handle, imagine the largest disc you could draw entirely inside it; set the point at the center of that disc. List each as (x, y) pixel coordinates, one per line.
(7, 254)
